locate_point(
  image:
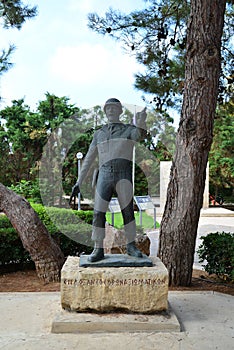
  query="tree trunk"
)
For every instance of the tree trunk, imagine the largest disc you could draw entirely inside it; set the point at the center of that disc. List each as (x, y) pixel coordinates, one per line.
(187, 178)
(44, 251)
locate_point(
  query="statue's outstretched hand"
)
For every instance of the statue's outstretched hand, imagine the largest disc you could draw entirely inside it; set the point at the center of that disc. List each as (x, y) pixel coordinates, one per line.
(75, 192)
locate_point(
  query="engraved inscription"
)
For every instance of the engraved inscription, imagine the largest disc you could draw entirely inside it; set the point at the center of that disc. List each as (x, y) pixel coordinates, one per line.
(114, 282)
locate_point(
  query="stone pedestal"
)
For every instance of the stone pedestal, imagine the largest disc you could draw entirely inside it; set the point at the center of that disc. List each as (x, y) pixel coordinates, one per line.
(129, 289)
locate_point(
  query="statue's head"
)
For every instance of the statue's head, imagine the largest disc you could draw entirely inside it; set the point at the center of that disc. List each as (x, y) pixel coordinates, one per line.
(113, 109)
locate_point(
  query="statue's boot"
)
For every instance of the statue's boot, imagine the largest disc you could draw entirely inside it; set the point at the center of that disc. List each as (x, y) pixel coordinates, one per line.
(98, 252)
(133, 250)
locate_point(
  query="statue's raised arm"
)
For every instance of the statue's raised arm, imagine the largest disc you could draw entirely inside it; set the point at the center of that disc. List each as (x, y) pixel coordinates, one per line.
(142, 115)
(141, 118)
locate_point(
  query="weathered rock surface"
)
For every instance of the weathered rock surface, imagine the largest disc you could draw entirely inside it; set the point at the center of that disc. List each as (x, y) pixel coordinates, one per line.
(115, 241)
(129, 289)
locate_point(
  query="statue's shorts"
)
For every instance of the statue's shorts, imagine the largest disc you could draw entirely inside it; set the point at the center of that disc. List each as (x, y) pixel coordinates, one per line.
(114, 182)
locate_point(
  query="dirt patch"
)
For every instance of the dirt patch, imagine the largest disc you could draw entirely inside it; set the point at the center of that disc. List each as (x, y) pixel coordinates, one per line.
(27, 281)
(202, 281)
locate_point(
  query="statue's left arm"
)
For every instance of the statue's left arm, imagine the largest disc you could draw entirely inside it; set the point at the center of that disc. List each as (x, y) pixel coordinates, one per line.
(89, 158)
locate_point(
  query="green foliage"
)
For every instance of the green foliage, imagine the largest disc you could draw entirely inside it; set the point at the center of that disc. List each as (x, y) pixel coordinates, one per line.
(24, 148)
(153, 34)
(5, 64)
(11, 248)
(49, 138)
(221, 155)
(5, 164)
(53, 111)
(156, 35)
(73, 223)
(45, 218)
(13, 14)
(28, 189)
(4, 222)
(68, 235)
(217, 249)
(70, 165)
(25, 133)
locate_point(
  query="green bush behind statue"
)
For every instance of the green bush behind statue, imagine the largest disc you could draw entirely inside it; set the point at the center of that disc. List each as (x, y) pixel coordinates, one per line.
(13, 252)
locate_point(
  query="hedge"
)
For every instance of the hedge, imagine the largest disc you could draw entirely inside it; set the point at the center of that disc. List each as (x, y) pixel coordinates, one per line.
(71, 230)
(217, 251)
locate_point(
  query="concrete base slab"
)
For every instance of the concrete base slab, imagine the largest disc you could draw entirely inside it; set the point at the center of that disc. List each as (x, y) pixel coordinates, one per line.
(71, 322)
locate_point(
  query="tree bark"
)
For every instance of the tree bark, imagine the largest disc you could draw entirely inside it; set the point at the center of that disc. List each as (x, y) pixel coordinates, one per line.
(44, 251)
(187, 178)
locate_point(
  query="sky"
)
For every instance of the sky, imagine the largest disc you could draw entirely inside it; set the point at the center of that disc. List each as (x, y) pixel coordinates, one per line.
(57, 53)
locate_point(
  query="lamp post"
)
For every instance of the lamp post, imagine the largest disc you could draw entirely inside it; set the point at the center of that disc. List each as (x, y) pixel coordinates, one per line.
(79, 156)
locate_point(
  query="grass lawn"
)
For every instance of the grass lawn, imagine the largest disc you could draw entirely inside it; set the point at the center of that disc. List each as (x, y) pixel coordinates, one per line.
(147, 220)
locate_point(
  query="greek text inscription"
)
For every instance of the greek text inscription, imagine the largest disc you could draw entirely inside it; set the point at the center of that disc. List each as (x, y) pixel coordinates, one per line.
(115, 282)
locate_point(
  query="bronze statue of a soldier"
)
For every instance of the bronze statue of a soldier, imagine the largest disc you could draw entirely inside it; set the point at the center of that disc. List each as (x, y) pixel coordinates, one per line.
(113, 144)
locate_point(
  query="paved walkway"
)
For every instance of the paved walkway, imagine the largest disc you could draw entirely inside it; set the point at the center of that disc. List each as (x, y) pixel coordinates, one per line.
(214, 219)
(207, 322)
(207, 318)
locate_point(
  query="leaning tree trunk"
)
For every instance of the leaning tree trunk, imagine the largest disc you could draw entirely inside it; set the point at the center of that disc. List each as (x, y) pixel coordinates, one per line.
(187, 179)
(44, 251)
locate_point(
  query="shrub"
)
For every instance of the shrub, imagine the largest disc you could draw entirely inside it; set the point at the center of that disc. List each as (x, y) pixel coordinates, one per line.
(72, 228)
(217, 250)
(66, 223)
(4, 222)
(11, 247)
(28, 189)
(57, 221)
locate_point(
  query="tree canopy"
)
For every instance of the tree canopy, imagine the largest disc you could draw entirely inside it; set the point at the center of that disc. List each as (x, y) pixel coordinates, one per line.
(221, 155)
(25, 133)
(66, 129)
(157, 37)
(13, 14)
